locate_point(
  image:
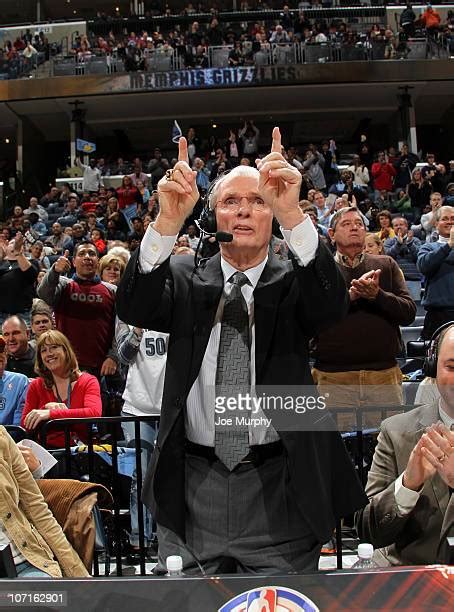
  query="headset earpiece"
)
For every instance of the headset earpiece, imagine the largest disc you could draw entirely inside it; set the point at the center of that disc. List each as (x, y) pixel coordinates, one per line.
(429, 367)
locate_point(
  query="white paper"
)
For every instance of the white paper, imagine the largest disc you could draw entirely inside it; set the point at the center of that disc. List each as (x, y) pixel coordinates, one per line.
(47, 460)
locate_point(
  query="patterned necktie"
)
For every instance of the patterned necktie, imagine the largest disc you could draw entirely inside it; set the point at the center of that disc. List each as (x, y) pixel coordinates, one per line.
(233, 373)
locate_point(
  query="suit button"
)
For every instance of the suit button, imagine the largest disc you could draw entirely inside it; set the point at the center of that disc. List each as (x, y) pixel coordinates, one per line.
(45, 565)
(24, 544)
(8, 516)
(178, 401)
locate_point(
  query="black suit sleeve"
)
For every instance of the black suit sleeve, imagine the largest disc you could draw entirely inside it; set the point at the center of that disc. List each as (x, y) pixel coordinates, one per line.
(146, 300)
(323, 297)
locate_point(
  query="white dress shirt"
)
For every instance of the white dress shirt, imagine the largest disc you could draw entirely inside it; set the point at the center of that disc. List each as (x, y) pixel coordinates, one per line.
(200, 415)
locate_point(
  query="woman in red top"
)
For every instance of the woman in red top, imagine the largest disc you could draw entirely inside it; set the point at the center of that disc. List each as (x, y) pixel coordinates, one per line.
(129, 200)
(62, 391)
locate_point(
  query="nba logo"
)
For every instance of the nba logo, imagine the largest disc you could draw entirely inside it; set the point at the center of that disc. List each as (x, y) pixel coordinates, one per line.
(270, 599)
(261, 601)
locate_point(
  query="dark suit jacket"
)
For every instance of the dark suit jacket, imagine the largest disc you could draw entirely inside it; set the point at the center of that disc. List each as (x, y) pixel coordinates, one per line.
(412, 539)
(291, 303)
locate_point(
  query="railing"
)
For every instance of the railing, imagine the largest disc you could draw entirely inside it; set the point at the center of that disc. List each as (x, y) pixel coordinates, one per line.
(360, 445)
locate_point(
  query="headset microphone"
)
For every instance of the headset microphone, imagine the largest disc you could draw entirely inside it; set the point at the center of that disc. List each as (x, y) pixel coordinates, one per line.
(223, 236)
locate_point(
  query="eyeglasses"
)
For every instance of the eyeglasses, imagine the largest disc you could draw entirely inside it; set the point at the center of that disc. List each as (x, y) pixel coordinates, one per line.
(234, 203)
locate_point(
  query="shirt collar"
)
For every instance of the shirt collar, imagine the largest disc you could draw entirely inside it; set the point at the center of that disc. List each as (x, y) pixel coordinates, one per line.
(253, 274)
(447, 420)
(344, 260)
(443, 239)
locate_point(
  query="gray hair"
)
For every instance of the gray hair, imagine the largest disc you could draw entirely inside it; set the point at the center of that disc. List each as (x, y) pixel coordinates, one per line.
(213, 191)
(440, 211)
(341, 212)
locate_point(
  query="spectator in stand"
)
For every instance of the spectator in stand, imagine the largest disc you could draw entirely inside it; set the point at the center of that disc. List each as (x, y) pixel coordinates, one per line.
(137, 226)
(404, 165)
(58, 241)
(37, 255)
(144, 193)
(79, 235)
(129, 199)
(404, 248)
(449, 199)
(279, 35)
(373, 245)
(435, 262)
(36, 225)
(34, 207)
(71, 211)
(113, 233)
(137, 174)
(249, 135)
(113, 213)
(323, 209)
(360, 172)
(203, 181)
(431, 21)
(111, 268)
(42, 321)
(103, 167)
(92, 179)
(51, 199)
(429, 220)
(157, 167)
(121, 167)
(17, 280)
(407, 20)
(133, 241)
(61, 390)
(330, 154)
(144, 352)
(13, 389)
(192, 236)
(345, 185)
(419, 190)
(313, 164)
(21, 356)
(97, 238)
(383, 173)
(379, 303)
(385, 222)
(84, 308)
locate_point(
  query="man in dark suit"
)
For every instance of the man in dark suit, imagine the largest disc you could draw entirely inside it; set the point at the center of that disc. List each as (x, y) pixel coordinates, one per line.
(410, 482)
(268, 505)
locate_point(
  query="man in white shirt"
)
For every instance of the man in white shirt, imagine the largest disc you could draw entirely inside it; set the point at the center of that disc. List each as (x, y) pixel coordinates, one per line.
(271, 504)
(411, 479)
(92, 179)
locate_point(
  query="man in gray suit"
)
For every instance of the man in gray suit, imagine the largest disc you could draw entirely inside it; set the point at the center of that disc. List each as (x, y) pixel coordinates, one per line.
(410, 484)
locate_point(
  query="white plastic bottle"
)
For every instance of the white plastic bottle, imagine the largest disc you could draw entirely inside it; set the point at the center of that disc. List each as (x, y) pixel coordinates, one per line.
(174, 565)
(365, 561)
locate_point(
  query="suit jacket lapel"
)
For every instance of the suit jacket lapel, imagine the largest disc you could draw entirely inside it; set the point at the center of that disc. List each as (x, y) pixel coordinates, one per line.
(431, 415)
(208, 283)
(266, 296)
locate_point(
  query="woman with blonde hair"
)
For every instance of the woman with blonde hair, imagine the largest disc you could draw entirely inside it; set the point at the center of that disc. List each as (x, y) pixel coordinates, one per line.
(373, 245)
(111, 268)
(61, 390)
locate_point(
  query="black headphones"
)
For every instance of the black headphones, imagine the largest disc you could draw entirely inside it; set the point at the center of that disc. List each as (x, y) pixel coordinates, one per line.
(429, 367)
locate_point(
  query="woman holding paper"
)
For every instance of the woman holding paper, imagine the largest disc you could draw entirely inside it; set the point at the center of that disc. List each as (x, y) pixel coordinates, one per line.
(38, 545)
(61, 390)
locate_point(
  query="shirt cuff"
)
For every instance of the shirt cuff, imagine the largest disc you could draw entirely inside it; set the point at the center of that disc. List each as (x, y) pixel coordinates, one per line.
(39, 472)
(406, 499)
(154, 249)
(302, 240)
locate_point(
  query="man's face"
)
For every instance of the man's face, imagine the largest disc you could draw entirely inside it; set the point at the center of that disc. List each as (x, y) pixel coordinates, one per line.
(319, 200)
(381, 158)
(92, 163)
(400, 225)
(54, 192)
(241, 211)
(436, 201)
(33, 202)
(445, 222)
(86, 261)
(40, 324)
(191, 231)
(78, 230)
(16, 338)
(56, 229)
(72, 203)
(137, 225)
(349, 232)
(445, 370)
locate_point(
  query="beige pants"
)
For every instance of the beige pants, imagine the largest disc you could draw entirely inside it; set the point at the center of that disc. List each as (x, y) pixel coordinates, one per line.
(356, 391)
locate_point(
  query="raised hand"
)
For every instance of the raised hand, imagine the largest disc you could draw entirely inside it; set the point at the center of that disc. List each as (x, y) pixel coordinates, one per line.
(418, 469)
(63, 265)
(438, 450)
(279, 184)
(18, 244)
(367, 286)
(178, 194)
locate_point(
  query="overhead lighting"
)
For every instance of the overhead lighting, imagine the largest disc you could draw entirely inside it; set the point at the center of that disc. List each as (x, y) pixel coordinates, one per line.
(6, 140)
(214, 125)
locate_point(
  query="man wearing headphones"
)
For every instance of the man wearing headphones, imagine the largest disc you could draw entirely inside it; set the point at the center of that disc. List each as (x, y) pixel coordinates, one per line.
(250, 497)
(411, 480)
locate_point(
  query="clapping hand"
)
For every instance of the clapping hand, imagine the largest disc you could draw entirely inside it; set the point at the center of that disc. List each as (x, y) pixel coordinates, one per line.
(279, 184)
(451, 238)
(178, 194)
(438, 450)
(366, 287)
